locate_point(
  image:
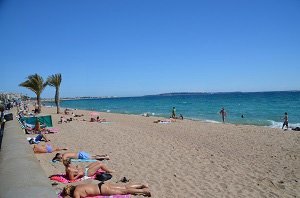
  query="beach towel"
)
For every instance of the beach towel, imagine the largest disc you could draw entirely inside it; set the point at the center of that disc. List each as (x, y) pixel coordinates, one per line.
(111, 196)
(52, 130)
(164, 122)
(77, 160)
(64, 179)
(84, 160)
(106, 122)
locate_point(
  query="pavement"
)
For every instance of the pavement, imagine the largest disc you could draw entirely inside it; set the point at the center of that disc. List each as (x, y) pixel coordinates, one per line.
(21, 173)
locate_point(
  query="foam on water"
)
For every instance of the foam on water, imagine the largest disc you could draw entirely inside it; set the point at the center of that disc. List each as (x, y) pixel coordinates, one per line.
(274, 124)
(212, 121)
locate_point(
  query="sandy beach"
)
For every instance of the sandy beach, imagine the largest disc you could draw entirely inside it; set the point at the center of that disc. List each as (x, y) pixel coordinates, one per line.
(185, 158)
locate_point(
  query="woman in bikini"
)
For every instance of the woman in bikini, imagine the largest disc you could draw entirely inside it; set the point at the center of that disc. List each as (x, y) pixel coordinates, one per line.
(76, 172)
(80, 155)
(106, 189)
(47, 148)
(165, 121)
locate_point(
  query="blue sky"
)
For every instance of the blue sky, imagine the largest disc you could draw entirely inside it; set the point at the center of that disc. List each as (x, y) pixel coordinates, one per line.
(140, 47)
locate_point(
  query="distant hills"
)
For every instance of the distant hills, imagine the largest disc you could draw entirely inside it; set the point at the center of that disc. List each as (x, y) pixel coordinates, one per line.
(180, 94)
(190, 93)
(207, 93)
(165, 94)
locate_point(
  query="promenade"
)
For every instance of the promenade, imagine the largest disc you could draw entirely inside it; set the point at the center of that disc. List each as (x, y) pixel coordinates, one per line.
(21, 173)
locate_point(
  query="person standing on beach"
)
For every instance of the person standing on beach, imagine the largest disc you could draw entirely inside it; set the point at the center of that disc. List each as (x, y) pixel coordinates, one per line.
(223, 114)
(285, 121)
(173, 113)
(2, 122)
(36, 108)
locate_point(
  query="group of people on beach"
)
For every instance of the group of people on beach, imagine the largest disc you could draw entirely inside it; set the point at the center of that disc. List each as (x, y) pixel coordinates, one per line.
(74, 116)
(285, 119)
(73, 173)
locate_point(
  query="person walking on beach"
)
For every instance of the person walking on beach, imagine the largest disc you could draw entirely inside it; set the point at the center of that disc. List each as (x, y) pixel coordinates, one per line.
(285, 121)
(223, 114)
(173, 113)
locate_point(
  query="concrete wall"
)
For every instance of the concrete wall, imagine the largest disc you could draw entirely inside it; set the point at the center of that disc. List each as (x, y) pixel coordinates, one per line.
(20, 172)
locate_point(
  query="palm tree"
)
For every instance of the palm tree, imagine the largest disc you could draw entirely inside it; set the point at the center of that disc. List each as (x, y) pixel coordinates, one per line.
(54, 81)
(36, 84)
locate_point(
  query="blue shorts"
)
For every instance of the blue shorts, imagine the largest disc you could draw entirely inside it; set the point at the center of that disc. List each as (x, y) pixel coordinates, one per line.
(49, 148)
(38, 138)
(83, 155)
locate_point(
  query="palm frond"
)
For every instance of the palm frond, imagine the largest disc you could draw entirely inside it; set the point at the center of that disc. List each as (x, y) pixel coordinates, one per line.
(54, 80)
(34, 83)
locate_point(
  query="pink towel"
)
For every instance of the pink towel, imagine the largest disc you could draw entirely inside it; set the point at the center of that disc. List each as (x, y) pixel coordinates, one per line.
(111, 196)
(53, 130)
(64, 179)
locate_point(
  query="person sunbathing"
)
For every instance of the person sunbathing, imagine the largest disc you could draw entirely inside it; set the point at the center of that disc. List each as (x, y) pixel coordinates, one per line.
(105, 189)
(80, 155)
(76, 172)
(33, 129)
(100, 119)
(38, 139)
(62, 120)
(76, 115)
(48, 148)
(38, 128)
(66, 111)
(165, 121)
(93, 120)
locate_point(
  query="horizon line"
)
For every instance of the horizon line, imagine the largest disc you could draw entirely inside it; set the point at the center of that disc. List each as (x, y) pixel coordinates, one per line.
(170, 93)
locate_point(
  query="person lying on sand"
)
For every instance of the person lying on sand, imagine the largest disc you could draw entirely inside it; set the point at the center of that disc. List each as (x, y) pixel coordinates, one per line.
(165, 121)
(62, 120)
(76, 115)
(105, 189)
(38, 139)
(98, 119)
(48, 148)
(76, 172)
(80, 155)
(66, 111)
(35, 129)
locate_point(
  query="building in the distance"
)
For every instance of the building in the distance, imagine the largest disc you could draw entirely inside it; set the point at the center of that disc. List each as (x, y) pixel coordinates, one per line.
(6, 97)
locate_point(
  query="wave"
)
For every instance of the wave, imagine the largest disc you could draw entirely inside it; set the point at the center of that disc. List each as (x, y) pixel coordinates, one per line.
(274, 124)
(212, 121)
(201, 120)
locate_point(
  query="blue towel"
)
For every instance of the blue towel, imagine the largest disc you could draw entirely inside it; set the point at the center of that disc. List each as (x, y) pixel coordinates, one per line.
(83, 160)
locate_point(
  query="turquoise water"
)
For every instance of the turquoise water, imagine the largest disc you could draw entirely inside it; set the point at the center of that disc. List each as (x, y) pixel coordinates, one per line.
(259, 108)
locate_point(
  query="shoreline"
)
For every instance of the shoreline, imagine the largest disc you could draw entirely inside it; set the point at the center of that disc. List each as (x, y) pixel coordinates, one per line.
(185, 158)
(185, 118)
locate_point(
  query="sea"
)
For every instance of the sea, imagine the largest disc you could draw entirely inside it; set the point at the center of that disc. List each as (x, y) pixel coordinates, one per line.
(251, 108)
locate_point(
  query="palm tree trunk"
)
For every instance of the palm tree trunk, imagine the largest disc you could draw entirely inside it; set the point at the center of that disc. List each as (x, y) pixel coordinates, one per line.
(38, 98)
(57, 100)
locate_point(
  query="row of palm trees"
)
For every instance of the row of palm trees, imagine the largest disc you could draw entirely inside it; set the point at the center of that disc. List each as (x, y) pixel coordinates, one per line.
(37, 84)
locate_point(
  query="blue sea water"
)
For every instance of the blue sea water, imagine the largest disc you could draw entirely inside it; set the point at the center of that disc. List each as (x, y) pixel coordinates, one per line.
(258, 108)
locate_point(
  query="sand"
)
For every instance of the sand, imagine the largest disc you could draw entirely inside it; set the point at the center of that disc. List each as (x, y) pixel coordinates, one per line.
(186, 158)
